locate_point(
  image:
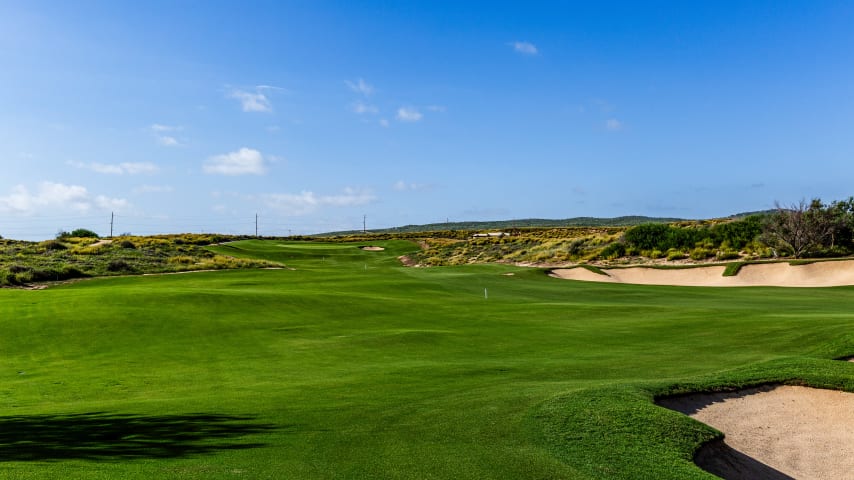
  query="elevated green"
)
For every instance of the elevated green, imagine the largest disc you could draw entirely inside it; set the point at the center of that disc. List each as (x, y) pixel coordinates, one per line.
(347, 365)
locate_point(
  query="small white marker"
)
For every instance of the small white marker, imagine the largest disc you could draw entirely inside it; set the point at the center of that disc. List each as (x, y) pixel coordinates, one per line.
(485, 294)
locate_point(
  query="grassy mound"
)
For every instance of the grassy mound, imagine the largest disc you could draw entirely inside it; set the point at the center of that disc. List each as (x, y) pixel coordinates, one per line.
(22, 262)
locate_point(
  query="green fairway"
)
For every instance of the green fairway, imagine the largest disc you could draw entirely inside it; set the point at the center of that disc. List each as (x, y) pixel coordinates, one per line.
(347, 365)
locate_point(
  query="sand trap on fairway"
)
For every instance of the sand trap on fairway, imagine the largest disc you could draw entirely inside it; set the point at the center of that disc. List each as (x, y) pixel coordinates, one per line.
(775, 432)
(373, 248)
(819, 274)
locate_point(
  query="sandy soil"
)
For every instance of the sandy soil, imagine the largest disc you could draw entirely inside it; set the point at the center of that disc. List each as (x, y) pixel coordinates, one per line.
(373, 249)
(819, 274)
(776, 432)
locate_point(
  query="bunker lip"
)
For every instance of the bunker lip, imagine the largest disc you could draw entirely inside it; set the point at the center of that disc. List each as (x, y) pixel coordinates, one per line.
(372, 248)
(780, 274)
(774, 431)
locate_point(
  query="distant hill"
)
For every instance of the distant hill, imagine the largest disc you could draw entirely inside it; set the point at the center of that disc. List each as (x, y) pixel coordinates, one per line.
(750, 214)
(521, 223)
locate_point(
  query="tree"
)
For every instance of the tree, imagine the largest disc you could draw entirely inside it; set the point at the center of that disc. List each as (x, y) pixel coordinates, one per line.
(799, 228)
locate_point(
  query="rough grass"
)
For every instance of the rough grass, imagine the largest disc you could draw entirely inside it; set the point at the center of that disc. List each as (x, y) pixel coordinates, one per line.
(22, 263)
(351, 366)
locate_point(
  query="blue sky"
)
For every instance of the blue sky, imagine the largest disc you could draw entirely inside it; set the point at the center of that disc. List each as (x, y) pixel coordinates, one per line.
(194, 116)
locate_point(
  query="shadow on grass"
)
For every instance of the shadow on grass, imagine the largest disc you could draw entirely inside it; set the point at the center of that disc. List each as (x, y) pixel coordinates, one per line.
(720, 459)
(107, 436)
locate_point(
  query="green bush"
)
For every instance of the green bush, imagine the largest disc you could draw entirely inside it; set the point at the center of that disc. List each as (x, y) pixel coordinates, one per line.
(53, 245)
(614, 250)
(674, 254)
(83, 233)
(700, 253)
(727, 255)
(119, 265)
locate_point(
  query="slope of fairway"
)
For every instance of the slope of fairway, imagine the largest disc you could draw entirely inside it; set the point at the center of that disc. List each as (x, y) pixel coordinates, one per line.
(348, 365)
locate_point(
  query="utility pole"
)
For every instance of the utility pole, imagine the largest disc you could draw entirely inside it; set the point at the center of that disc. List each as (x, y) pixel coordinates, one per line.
(256, 225)
(112, 219)
(364, 224)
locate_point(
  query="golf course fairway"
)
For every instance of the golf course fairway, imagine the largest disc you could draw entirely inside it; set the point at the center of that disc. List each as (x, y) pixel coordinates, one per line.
(346, 364)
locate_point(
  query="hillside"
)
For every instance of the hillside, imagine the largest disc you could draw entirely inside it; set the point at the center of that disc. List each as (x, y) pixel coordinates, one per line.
(624, 221)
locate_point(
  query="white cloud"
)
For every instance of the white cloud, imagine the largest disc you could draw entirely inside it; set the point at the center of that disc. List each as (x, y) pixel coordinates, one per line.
(252, 102)
(129, 168)
(408, 114)
(613, 125)
(160, 134)
(306, 201)
(402, 186)
(436, 108)
(242, 162)
(167, 141)
(361, 87)
(363, 108)
(153, 189)
(107, 203)
(56, 197)
(525, 48)
(384, 122)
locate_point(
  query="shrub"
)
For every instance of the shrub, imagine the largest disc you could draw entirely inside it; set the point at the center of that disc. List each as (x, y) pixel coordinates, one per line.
(648, 236)
(727, 255)
(127, 244)
(674, 254)
(182, 260)
(700, 253)
(83, 233)
(53, 245)
(655, 253)
(118, 265)
(614, 250)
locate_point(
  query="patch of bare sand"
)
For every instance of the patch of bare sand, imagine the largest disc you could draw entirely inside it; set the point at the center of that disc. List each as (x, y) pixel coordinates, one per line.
(775, 432)
(372, 248)
(818, 274)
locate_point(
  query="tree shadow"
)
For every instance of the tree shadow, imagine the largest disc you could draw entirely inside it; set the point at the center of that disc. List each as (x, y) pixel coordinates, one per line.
(113, 437)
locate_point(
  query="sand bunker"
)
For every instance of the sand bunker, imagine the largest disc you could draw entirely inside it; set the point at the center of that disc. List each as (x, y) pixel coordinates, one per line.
(819, 274)
(776, 432)
(373, 248)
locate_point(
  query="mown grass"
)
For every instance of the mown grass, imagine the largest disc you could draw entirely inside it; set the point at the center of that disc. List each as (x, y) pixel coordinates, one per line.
(351, 366)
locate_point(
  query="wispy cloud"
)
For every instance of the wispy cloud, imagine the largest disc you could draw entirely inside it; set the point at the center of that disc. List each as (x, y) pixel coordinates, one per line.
(383, 123)
(56, 197)
(362, 108)
(167, 141)
(163, 134)
(257, 100)
(125, 168)
(245, 161)
(402, 186)
(613, 125)
(408, 114)
(153, 189)
(436, 108)
(306, 201)
(525, 48)
(361, 87)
